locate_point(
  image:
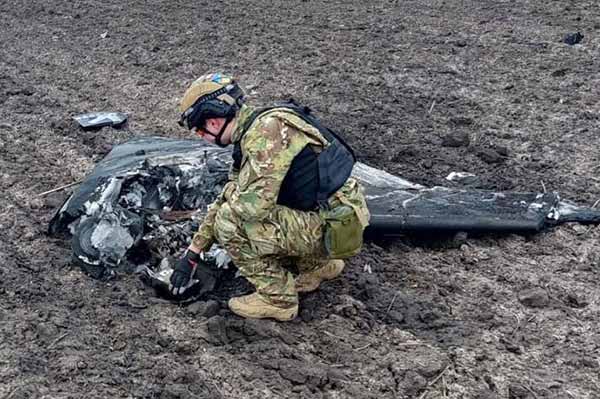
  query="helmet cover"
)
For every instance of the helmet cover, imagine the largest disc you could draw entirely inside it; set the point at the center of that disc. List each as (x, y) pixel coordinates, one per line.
(210, 96)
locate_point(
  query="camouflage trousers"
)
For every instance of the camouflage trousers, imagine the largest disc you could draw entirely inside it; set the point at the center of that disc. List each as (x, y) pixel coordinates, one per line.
(261, 249)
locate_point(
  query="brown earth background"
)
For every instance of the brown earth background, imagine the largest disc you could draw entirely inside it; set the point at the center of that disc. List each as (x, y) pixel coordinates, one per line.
(421, 89)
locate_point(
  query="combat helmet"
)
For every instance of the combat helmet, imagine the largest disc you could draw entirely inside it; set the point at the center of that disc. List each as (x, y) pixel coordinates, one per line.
(211, 96)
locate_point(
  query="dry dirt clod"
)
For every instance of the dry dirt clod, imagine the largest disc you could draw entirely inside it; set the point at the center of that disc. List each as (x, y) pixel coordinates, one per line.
(560, 72)
(534, 298)
(576, 301)
(256, 330)
(456, 139)
(217, 330)
(368, 283)
(203, 309)
(590, 362)
(502, 150)
(489, 155)
(298, 372)
(349, 306)
(396, 316)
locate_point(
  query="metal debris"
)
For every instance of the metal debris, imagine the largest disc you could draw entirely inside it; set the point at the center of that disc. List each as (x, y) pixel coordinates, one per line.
(144, 200)
(97, 120)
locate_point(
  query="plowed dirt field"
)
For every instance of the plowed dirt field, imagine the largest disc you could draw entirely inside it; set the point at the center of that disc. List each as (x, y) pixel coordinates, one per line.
(420, 89)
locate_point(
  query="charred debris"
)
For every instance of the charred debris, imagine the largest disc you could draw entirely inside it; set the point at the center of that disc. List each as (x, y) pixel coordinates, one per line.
(141, 204)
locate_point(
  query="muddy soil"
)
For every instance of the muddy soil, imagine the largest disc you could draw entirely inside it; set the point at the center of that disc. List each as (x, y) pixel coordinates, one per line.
(421, 89)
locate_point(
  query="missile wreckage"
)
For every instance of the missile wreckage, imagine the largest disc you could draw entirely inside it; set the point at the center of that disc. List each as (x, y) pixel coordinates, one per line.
(141, 204)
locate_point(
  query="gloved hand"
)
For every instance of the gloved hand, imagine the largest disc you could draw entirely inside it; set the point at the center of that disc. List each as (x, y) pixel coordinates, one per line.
(180, 279)
(228, 190)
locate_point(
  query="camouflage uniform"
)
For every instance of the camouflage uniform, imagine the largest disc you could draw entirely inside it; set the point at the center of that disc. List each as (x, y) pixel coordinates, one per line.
(259, 234)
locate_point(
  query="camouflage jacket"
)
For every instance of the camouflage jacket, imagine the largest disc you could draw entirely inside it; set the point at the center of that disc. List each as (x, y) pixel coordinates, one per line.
(269, 146)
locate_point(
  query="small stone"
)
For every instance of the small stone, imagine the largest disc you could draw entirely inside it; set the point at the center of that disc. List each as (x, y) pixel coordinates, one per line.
(534, 298)
(573, 38)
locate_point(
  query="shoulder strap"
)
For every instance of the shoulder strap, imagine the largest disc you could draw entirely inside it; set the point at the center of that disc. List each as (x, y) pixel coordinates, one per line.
(303, 112)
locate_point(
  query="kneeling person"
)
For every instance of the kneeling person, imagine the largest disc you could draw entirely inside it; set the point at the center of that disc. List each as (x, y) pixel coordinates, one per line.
(290, 197)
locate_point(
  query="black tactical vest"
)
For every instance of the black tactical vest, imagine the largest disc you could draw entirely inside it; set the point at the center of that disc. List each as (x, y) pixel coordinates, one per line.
(313, 176)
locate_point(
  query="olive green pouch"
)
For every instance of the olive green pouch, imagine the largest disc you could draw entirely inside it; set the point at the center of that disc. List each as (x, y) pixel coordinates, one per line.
(343, 232)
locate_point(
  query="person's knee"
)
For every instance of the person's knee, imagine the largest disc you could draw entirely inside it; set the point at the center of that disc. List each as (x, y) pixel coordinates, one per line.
(228, 233)
(247, 241)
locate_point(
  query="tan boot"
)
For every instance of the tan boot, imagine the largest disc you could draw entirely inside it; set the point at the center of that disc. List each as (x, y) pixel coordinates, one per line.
(307, 282)
(255, 306)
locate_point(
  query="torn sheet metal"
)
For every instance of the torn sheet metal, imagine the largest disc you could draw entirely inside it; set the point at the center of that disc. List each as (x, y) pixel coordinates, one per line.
(145, 199)
(97, 120)
(122, 204)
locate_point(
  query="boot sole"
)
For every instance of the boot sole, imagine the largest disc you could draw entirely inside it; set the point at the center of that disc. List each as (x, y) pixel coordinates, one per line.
(254, 316)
